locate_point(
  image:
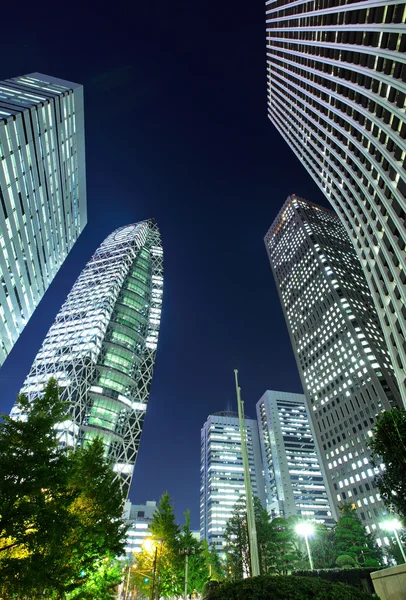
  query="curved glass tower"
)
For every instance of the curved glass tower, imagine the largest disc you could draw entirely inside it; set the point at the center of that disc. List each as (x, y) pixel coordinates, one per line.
(337, 95)
(102, 345)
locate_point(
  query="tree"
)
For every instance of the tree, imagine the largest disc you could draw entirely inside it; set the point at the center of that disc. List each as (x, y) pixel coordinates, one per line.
(264, 536)
(198, 572)
(388, 446)
(323, 547)
(60, 510)
(284, 554)
(162, 559)
(237, 546)
(213, 562)
(352, 539)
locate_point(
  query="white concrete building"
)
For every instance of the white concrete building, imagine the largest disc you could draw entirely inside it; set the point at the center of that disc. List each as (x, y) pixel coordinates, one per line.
(222, 473)
(294, 482)
(42, 191)
(337, 95)
(340, 350)
(139, 518)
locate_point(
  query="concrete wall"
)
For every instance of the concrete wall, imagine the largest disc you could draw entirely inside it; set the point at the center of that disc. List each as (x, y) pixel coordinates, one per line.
(390, 584)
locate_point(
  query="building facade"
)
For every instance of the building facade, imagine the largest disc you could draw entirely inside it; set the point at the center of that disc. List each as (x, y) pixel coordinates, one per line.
(336, 93)
(339, 346)
(42, 191)
(222, 473)
(102, 345)
(294, 482)
(138, 517)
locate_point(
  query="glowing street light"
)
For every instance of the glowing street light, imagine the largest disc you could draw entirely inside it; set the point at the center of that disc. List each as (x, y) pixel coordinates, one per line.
(394, 525)
(306, 529)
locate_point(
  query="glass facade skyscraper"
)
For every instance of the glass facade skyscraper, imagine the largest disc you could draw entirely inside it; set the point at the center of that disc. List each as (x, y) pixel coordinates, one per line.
(293, 479)
(336, 93)
(42, 191)
(102, 345)
(222, 473)
(340, 350)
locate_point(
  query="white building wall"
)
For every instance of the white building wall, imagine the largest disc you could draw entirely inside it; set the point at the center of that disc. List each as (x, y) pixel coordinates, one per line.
(222, 473)
(293, 477)
(42, 191)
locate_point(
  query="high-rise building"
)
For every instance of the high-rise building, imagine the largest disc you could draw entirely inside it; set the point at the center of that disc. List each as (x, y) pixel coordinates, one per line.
(102, 345)
(222, 472)
(340, 350)
(138, 518)
(42, 191)
(336, 93)
(294, 482)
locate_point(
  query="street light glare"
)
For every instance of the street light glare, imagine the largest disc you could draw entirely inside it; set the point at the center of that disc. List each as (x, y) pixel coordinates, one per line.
(391, 525)
(148, 544)
(304, 528)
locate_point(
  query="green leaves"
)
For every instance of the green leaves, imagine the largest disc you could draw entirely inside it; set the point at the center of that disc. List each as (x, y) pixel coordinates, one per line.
(60, 511)
(388, 446)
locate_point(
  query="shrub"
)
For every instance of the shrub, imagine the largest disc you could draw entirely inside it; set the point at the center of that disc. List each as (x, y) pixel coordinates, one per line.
(357, 577)
(283, 587)
(345, 560)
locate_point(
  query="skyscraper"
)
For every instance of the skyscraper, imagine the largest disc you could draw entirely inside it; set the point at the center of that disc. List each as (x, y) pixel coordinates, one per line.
(293, 479)
(42, 191)
(339, 347)
(222, 472)
(102, 345)
(138, 518)
(336, 93)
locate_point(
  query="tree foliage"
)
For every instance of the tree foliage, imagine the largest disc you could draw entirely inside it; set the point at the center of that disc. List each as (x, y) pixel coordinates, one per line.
(388, 445)
(60, 511)
(162, 565)
(352, 539)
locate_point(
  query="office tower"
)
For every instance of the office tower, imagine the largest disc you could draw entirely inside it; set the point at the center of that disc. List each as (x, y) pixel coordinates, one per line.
(138, 517)
(222, 472)
(336, 93)
(42, 191)
(294, 483)
(339, 347)
(102, 345)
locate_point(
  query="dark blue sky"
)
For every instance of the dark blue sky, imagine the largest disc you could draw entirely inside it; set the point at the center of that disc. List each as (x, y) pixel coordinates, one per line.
(176, 129)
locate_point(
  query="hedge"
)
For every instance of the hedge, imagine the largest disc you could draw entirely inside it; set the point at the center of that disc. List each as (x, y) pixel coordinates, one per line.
(358, 577)
(282, 587)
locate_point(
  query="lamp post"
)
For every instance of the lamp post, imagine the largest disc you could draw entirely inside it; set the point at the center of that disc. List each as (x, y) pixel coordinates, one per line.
(306, 529)
(150, 544)
(394, 525)
(187, 552)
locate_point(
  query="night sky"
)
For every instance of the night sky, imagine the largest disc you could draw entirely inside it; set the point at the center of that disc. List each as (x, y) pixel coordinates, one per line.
(176, 129)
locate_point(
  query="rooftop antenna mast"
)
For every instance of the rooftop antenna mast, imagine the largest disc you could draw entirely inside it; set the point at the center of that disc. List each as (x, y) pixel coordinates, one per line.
(252, 531)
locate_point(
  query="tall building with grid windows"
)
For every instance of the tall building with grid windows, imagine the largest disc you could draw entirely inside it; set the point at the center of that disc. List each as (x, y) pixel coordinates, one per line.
(336, 93)
(294, 483)
(222, 473)
(42, 191)
(102, 345)
(339, 347)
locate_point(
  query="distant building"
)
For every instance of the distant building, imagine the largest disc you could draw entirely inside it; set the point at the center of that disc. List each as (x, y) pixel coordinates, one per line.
(337, 95)
(102, 345)
(222, 472)
(138, 517)
(340, 350)
(293, 479)
(42, 191)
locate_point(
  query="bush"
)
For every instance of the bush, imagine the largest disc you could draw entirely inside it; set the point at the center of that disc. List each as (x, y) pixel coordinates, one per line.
(345, 560)
(358, 577)
(283, 587)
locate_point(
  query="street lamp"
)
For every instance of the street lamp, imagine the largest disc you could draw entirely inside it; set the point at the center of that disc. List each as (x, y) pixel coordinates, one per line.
(150, 545)
(187, 552)
(306, 529)
(394, 525)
